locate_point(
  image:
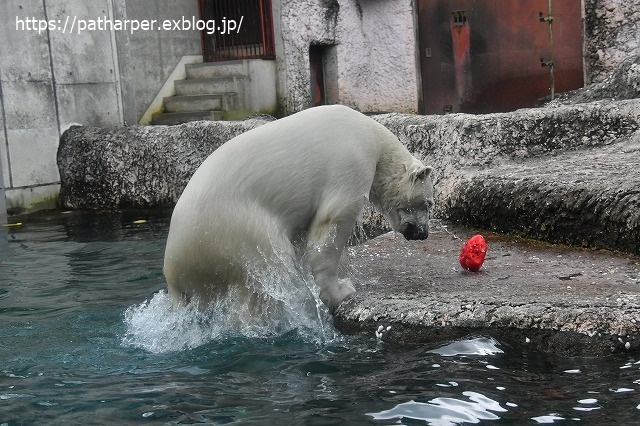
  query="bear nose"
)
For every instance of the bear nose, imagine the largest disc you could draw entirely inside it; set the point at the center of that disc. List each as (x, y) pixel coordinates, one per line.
(414, 232)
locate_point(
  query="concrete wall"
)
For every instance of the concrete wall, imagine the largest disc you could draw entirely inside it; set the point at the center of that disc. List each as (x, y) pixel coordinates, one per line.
(377, 68)
(153, 55)
(51, 77)
(38, 98)
(374, 63)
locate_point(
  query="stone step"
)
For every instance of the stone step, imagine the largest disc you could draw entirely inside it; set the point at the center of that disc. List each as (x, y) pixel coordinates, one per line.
(216, 69)
(195, 103)
(206, 86)
(173, 118)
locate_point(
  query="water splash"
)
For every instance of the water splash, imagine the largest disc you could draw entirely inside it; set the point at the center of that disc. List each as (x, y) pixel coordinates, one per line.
(155, 326)
(279, 299)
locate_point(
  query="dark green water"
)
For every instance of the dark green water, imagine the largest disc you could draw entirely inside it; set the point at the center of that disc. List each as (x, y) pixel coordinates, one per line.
(87, 336)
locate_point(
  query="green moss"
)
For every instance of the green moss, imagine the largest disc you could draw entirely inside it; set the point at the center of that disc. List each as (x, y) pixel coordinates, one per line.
(34, 204)
(45, 203)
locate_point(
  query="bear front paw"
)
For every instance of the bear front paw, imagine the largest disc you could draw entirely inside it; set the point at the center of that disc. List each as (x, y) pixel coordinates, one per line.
(333, 296)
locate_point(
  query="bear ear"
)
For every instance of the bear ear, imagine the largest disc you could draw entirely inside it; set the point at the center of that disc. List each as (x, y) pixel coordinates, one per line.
(420, 172)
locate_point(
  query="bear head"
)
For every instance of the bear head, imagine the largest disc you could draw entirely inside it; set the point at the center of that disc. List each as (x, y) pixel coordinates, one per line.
(413, 200)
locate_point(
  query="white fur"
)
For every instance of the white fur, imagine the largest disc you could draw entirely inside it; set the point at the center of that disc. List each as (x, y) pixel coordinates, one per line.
(294, 187)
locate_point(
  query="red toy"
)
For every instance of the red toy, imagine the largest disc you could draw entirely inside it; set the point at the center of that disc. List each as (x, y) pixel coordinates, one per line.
(473, 253)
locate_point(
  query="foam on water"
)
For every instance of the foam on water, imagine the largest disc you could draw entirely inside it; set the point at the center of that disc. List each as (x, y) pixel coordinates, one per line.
(281, 298)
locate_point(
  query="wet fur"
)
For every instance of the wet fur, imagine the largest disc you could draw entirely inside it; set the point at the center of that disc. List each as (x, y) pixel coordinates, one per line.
(294, 187)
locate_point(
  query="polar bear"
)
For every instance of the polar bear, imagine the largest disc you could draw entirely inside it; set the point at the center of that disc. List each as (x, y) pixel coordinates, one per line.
(294, 187)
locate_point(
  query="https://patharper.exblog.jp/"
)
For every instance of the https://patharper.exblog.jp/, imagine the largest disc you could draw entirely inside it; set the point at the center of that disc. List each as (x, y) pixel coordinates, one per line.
(76, 25)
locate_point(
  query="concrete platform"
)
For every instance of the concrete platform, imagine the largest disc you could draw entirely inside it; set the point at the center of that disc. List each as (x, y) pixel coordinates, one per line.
(553, 298)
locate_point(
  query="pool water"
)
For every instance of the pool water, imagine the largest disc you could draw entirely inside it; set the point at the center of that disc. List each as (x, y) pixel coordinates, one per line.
(88, 336)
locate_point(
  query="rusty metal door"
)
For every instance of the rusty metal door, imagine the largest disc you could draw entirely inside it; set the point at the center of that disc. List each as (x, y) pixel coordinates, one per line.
(241, 29)
(481, 56)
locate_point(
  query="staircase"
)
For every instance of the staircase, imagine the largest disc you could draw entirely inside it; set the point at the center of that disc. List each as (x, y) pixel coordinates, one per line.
(220, 91)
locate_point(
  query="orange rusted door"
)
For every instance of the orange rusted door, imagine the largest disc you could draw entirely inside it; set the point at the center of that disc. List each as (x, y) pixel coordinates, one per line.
(482, 56)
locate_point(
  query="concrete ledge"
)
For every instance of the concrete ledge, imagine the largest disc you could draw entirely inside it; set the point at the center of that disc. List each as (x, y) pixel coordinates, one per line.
(586, 198)
(623, 83)
(138, 166)
(463, 141)
(571, 302)
(515, 172)
(510, 172)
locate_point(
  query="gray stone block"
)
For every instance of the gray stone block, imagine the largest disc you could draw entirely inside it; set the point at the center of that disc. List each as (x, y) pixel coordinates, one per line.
(136, 167)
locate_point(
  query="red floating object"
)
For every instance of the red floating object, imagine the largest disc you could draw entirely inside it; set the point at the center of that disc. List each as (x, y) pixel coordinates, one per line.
(473, 253)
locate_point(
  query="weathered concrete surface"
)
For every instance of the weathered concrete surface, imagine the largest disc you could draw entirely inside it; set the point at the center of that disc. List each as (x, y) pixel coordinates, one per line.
(463, 141)
(363, 69)
(611, 35)
(623, 84)
(561, 174)
(588, 198)
(108, 169)
(138, 166)
(552, 298)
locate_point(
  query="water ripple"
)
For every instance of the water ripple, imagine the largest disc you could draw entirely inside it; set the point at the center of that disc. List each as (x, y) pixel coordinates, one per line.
(445, 411)
(477, 346)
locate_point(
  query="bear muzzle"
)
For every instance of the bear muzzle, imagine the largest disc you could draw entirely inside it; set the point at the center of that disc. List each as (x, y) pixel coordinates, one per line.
(412, 231)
